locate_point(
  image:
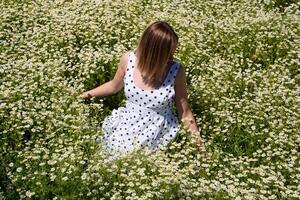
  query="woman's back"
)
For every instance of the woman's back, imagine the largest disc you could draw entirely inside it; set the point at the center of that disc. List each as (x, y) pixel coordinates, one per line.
(150, 98)
(147, 118)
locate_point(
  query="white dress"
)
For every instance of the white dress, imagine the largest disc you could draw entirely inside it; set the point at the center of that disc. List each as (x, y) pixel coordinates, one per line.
(147, 118)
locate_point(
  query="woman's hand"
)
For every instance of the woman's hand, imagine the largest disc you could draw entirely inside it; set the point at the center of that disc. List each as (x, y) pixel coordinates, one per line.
(190, 125)
(86, 95)
(200, 144)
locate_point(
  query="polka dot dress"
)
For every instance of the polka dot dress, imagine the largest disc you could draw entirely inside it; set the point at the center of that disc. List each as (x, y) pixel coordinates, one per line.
(147, 120)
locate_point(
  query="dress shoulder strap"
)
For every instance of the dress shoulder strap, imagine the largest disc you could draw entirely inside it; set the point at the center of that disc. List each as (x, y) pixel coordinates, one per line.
(173, 71)
(129, 68)
(130, 62)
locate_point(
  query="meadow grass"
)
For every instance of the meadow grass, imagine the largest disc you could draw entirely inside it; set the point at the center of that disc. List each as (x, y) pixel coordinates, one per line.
(242, 65)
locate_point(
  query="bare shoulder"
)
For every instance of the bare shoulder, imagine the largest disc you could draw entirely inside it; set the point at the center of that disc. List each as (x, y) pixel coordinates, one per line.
(125, 56)
(124, 60)
(120, 73)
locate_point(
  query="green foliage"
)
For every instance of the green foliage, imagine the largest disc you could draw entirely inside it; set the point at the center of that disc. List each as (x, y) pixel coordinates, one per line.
(242, 66)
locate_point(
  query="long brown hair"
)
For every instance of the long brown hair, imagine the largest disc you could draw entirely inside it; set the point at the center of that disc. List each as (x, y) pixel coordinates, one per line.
(155, 51)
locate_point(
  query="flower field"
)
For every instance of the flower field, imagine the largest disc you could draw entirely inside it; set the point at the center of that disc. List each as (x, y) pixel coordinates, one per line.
(242, 61)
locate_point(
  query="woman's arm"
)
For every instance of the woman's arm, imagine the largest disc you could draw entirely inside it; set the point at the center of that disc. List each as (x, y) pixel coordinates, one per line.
(113, 86)
(100, 91)
(184, 111)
